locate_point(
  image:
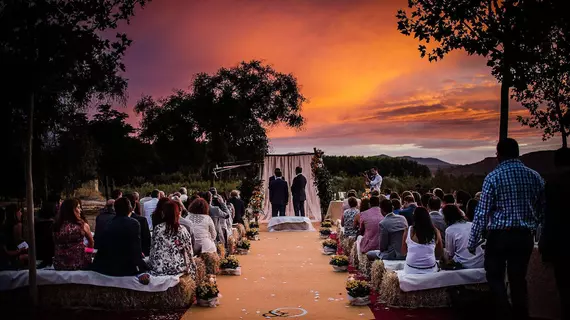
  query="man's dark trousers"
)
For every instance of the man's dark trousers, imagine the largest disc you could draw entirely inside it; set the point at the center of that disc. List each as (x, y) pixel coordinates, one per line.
(277, 210)
(510, 249)
(299, 207)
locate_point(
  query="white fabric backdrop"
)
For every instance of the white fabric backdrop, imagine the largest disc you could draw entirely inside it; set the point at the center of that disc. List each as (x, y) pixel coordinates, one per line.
(288, 163)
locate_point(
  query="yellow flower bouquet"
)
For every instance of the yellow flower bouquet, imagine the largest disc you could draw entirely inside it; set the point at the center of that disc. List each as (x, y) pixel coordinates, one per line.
(339, 263)
(358, 292)
(207, 294)
(230, 266)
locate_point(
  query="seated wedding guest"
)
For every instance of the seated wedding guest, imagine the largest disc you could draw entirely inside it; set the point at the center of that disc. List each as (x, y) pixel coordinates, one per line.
(183, 194)
(438, 193)
(437, 218)
(43, 228)
(478, 196)
(106, 214)
(350, 193)
(347, 219)
(145, 231)
(157, 216)
(417, 197)
(69, 232)
(146, 198)
(364, 205)
(202, 227)
(457, 240)
(149, 206)
(394, 195)
(448, 199)
(120, 251)
(408, 211)
(171, 252)
(391, 230)
(387, 193)
(219, 217)
(396, 205)
(183, 215)
(422, 244)
(369, 221)
(462, 198)
(471, 206)
(11, 236)
(407, 194)
(425, 200)
(239, 207)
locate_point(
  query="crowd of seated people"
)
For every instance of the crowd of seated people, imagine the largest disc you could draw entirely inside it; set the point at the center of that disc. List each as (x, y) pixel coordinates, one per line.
(429, 230)
(125, 243)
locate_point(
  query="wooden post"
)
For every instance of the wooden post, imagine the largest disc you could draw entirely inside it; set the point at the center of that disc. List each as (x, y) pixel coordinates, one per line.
(30, 207)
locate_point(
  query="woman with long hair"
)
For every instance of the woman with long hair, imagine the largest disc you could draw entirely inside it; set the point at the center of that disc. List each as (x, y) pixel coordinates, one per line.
(364, 205)
(422, 244)
(69, 232)
(157, 216)
(457, 240)
(171, 251)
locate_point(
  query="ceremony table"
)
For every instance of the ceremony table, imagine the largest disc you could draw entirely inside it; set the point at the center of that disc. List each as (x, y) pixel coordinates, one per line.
(334, 211)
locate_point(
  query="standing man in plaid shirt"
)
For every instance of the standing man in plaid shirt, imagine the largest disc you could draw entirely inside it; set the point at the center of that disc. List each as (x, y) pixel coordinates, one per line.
(510, 210)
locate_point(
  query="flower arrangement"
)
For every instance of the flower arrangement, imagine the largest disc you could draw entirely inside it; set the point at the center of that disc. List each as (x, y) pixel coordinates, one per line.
(256, 201)
(325, 232)
(253, 234)
(207, 290)
(244, 244)
(322, 180)
(339, 261)
(330, 243)
(230, 262)
(326, 224)
(254, 224)
(357, 288)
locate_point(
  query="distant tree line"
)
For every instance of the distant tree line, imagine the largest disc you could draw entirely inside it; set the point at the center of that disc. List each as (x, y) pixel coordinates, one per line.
(387, 166)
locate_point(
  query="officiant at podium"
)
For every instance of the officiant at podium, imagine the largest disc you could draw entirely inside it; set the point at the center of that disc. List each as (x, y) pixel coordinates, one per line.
(298, 192)
(278, 194)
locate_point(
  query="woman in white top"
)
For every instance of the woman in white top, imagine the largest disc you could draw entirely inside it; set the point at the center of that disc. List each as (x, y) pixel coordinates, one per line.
(457, 240)
(203, 228)
(422, 244)
(345, 204)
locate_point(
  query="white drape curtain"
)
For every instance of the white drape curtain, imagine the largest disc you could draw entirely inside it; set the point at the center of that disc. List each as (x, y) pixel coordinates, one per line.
(288, 163)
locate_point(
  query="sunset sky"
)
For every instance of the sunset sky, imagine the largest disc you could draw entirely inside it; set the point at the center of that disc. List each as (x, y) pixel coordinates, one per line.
(369, 91)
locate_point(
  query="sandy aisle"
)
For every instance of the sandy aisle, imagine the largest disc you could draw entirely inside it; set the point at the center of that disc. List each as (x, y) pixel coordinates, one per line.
(284, 269)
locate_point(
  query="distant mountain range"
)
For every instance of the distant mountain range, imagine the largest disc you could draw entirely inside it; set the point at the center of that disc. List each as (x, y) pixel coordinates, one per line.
(541, 161)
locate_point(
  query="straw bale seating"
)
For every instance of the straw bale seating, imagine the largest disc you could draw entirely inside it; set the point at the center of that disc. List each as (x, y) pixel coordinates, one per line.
(346, 243)
(88, 289)
(212, 262)
(200, 270)
(353, 258)
(425, 290)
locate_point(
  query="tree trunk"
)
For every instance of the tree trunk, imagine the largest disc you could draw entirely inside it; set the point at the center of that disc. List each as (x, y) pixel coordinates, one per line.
(561, 124)
(30, 206)
(504, 121)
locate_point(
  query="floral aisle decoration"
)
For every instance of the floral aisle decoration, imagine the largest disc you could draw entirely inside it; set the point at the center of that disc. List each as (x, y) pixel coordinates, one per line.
(230, 266)
(243, 246)
(339, 263)
(322, 180)
(325, 232)
(329, 246)
(253, 234)
(326, 224)
(254, 224)
(255, 206)
(208, 293)
(358, 291)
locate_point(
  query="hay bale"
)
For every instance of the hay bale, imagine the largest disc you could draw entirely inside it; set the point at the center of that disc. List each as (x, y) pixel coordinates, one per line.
(83, 296)
(232, 244)
(376, 274)
(390, 295)
(364, 264)
(200, 270)
(353, 259)
(242, 231)
(347, 243)
(221, 250)
(212, 262)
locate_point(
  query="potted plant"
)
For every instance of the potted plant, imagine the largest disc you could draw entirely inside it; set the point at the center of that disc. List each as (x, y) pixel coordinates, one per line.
(339, 263)
(358, 292)
(243, 246)
(253, 234)
(207, 294)
(326, 224)
(230, 266)
(325, 233)
(329, 246)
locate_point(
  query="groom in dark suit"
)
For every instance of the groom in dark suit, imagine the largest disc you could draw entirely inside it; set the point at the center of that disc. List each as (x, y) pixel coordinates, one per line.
(298, 192)
(278, 194)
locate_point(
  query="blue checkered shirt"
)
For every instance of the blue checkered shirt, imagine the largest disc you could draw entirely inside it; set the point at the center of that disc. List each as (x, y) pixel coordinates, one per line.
(512, 197)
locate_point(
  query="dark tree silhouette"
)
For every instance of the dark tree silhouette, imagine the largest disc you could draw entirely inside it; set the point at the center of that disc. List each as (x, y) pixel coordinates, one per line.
(547, 95)
(54, 54)
(504, 32)
(227, 113)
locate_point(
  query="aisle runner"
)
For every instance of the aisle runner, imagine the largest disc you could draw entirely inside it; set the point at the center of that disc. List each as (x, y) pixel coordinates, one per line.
(284, 273)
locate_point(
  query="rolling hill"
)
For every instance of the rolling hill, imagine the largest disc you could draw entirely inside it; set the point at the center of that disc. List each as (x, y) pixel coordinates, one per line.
(433, 164)
(541, 161)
